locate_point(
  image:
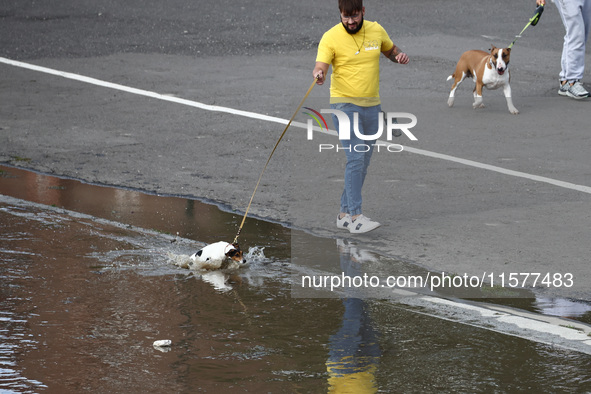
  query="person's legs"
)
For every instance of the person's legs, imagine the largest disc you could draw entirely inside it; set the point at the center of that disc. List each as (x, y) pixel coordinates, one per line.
(573, 51)
(356, 167)
(358, 152)
(372, 116)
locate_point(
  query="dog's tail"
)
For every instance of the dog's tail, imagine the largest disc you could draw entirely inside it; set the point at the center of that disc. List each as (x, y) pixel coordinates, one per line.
(450, 77)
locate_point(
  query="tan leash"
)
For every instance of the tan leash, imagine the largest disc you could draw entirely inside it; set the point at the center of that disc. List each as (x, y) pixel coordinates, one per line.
(269, 159)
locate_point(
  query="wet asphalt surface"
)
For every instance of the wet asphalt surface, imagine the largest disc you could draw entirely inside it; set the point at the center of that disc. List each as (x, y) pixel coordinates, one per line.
(258, 56)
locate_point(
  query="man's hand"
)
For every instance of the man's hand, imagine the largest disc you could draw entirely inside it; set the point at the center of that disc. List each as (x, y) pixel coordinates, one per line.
(319, 72)
(396, 56)
(401, 58)
(319, 76)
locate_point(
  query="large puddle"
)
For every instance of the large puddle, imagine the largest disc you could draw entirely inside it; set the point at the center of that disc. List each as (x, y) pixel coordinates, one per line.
(87, 286)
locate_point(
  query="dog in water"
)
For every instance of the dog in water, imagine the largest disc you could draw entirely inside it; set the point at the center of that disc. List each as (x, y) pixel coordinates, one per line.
(217, 256)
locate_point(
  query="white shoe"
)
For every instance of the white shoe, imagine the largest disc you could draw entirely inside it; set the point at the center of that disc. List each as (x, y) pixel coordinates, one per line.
(363, 224)
(577, 91)
(344, 222)
(357, 255)
(563, 88)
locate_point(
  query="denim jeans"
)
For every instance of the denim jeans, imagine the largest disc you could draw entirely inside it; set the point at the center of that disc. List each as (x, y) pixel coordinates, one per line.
(358, 152)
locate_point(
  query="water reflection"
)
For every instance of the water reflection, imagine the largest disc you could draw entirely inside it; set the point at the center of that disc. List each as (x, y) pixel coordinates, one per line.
(180, 216)
(82, 300)
(354, 348)
(564, 308)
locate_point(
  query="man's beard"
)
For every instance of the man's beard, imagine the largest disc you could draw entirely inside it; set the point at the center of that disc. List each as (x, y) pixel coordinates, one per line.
(359, 25)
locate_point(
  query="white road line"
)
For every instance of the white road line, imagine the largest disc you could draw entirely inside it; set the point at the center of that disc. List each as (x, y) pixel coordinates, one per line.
(471, 163)
(254, 115)
(141, 92)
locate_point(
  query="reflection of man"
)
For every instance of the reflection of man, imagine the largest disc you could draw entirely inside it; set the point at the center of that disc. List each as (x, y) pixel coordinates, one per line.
(354, 352)
(354, 349)
(353, 48)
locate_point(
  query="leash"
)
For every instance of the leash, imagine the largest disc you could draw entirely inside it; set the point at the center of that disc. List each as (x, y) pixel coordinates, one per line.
(269, 159)
(532, 21)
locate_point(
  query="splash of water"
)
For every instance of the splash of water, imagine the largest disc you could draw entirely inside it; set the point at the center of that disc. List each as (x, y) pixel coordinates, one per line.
(254, 255)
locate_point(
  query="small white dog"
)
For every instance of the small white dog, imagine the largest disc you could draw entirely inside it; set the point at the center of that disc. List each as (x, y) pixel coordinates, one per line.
(219, 255)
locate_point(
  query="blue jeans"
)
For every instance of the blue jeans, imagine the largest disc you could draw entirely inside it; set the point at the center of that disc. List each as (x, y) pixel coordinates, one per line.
(358, 152)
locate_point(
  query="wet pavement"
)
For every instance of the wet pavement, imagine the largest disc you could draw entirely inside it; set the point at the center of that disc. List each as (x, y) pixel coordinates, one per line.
(86, 292)
(173, 104)
(178, 106)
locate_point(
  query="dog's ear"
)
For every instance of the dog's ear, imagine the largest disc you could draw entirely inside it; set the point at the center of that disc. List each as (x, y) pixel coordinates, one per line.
(199, 253)
(508, 50)
(234, 251)
(492, 48)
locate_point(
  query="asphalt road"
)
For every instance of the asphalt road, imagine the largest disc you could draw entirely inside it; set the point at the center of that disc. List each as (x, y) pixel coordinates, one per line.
(480, 191)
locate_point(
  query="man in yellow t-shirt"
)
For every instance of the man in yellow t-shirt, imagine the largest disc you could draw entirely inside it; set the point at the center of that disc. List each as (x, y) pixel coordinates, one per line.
(353, 48)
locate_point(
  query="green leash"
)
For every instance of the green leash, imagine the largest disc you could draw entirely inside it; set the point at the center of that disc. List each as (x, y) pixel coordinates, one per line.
(532, 21)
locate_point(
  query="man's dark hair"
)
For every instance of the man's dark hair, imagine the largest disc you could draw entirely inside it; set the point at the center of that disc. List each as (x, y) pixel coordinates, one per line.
(350, 7)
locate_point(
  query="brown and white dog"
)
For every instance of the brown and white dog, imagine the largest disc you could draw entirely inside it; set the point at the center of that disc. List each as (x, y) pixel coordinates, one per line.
(486, 69)
(219, 255)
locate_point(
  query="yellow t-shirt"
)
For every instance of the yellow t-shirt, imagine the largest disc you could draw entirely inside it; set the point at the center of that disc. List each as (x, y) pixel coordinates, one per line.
(355, 76)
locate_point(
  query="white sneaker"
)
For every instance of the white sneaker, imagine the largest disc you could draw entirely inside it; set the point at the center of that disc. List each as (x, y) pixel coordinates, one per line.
(577, 91)
(357, 255)
(344, 222)
(563, 88)
(363, 224)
